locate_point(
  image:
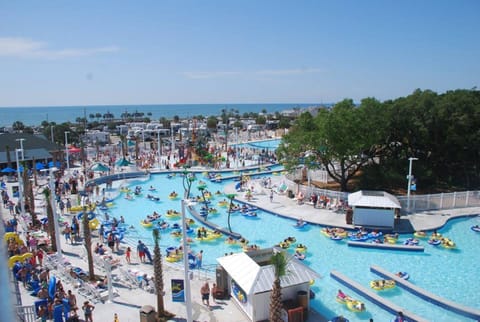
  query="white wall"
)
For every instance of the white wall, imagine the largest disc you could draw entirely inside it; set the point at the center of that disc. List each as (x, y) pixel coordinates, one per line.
(378, 217)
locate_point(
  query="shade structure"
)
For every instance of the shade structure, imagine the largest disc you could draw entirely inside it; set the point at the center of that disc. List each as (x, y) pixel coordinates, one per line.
(8, 170)
(39, 166)
(123, 162)
(99, 167)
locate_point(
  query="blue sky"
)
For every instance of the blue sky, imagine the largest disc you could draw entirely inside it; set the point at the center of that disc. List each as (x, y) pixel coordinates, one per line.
(265, 51)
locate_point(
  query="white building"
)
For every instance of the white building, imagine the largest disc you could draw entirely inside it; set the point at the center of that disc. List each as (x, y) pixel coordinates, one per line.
(250, 279)
(373, 208)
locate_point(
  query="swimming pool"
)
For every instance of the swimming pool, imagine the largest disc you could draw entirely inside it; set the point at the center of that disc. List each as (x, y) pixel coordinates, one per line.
(264, 145)
(448, 273)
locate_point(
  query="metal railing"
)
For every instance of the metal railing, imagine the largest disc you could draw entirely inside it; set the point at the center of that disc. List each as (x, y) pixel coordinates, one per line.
(418, 203)
(26, 313)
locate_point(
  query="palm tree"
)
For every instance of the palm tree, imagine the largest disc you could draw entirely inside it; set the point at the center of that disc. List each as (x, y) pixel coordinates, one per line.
(87, 237)
(50, 218)
(279, 262)
(28, 194)
(230, 196)
(158, 271)
(202, 188)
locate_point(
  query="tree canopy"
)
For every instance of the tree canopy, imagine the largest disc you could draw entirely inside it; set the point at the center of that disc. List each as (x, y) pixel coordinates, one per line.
(373, 140)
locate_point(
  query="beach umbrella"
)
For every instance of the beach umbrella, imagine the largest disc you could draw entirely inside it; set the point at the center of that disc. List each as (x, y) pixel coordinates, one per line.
(20, 169)
(99, 168)
(51, 164)
(131, 143)
(39, 166)
(74, 150)
(123, 162)
(8, 170)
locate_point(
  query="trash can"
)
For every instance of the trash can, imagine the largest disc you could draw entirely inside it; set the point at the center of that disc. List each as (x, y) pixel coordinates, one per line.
(290, 194)
(147, 314)
(302, 297)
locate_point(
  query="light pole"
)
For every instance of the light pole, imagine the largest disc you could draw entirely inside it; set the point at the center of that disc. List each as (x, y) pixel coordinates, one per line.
(54, 210)
(173, 140)
(51, 132)
(158, 150)
(236, 148)
(409, 177)
(188, 300)
(66, 149)
(20, 183)
(187, 185)
(21, 147)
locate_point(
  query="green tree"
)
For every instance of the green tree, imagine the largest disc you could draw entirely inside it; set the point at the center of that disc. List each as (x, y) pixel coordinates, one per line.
(261, 119)
(212, 123)
(18, 126)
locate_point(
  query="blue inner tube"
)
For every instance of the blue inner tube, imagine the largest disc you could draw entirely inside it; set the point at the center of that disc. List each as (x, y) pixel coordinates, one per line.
(434, 242)
(91, 215)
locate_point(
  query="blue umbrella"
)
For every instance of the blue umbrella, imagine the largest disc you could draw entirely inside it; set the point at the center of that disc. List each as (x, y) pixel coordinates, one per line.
(39, 166)
(51, 164)
(8, 170)
(20, 169)
(123, 162)
(99, 168)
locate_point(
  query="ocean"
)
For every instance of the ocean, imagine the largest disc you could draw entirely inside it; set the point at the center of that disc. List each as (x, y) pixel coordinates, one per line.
(32, 116)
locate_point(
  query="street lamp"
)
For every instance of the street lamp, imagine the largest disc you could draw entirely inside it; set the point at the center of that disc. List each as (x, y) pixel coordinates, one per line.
(158, 150)
(236, 148)
(187, 184)
(173, 140)
(188, 300)
(54, 210)
(409, 177)
(20, 183)
(66, 149)
(21, 146)
(51, 132)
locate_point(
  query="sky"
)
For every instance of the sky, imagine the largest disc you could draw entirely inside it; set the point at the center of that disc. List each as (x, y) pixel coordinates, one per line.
(55, 53)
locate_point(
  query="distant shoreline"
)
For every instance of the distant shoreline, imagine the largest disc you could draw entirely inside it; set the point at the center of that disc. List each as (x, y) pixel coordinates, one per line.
(34, 116)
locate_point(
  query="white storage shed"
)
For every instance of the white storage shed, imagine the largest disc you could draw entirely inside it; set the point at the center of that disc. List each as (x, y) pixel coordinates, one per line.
(250, 283)
(373, 208)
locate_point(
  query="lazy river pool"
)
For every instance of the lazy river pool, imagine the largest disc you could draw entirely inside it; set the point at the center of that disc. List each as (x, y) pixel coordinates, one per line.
(452, 274)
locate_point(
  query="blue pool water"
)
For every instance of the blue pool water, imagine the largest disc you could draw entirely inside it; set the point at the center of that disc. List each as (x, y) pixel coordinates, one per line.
(452, 274)
(262, 145)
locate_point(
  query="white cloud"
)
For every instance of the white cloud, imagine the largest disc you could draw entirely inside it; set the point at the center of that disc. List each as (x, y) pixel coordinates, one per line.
(274, 72)
(27, 48)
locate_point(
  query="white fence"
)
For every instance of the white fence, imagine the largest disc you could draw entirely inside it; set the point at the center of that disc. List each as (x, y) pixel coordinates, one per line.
(439, 201)
(418, 203)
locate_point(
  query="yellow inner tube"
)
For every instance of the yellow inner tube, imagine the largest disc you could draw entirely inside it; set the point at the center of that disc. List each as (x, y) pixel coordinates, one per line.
(146, 224)
(174, 257)
(355, 306)
(302, 249)
(382, 284)
(93, 224)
